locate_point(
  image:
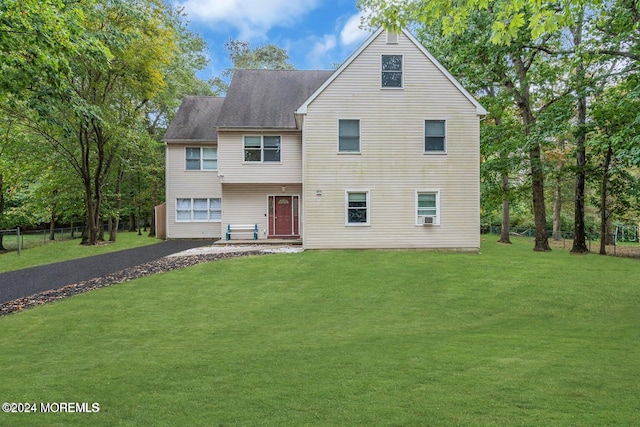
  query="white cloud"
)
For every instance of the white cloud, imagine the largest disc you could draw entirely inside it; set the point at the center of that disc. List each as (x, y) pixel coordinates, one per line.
(352, 33)
(317, 55)
(253, 18)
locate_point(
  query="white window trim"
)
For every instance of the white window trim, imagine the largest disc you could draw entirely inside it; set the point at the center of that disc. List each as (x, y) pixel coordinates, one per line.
(446, 136)
(201, 159)
(436, 220)
(346, 208)
(191, 209)
(402, 71)
(348, 153)
(262, 161)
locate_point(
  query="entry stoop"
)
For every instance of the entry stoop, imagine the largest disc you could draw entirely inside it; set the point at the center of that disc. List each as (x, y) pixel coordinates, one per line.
(261, 242)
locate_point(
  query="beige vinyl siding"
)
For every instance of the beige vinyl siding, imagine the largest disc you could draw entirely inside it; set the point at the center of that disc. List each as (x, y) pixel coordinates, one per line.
(392, 164)
(183, 183)
(235, 170)
(248, 204)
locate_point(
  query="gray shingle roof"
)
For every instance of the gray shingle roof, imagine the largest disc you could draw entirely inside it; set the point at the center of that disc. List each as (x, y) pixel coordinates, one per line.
(195, 119)
(268, 98)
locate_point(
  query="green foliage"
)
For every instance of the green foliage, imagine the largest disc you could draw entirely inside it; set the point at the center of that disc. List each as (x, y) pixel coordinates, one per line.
(559, 54)
(104, 91)
(269, 56)
(38, 38)
(338, 338)
(511, 16)
(615, 126)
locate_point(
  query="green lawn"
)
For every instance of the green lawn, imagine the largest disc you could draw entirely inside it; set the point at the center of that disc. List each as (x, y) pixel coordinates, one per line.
(68, 249)
(508, 337)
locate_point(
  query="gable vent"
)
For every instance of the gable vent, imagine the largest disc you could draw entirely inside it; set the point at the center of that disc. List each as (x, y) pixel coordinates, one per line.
(392, 38)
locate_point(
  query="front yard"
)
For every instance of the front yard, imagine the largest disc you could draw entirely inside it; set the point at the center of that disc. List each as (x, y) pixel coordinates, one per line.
(507, 337)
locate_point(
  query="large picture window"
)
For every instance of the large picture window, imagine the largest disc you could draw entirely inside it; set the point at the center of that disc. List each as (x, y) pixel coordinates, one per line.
(349, 136)
(262, 148)
(435, 136)
(392, 71)
(198, 210)
(201, 158)
(357, 207)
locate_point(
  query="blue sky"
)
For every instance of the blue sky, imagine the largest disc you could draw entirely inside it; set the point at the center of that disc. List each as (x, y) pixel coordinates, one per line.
(315, 33)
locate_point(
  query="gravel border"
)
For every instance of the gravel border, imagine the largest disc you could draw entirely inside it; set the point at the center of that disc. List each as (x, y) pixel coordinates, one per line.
(159, 266)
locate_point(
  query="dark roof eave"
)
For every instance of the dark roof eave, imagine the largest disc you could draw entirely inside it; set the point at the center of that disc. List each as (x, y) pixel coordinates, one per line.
(190, 141)
(258, 128)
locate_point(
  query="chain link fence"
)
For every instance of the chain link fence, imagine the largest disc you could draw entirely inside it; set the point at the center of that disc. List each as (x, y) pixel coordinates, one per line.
(18, 239)
(624, 241)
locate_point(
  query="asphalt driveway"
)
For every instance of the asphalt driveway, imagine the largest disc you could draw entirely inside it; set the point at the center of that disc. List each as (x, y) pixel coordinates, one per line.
(22, 283)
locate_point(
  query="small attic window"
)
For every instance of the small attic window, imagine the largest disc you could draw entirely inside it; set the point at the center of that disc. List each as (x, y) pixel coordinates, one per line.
(392, 37)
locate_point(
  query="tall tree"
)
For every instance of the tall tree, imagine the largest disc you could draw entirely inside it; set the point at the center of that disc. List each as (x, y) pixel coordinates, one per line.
(242, 56)
(118, 68)
(501, 146)
(616, 142)
(512, 69)
(512, 23)
(510, 17)
(579, 240)
(38, 38)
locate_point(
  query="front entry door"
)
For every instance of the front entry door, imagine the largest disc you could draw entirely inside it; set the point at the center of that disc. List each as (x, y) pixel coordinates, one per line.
(283, 216)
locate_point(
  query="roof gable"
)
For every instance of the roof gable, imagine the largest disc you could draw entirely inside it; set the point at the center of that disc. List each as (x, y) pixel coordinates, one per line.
(479, 108)
(195, 120)
(267, 98)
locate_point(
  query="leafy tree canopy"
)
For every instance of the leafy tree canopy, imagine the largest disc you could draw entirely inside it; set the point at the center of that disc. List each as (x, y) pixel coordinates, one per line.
(511, 15)
(242, 56)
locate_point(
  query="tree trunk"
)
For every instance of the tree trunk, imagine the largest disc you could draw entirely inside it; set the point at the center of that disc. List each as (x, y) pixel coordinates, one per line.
(110, 227)
(505, 228)
(2, 248)
(610, 237)
(95, 175)
(557, 212)
(116, 219)
(52, 222)
(52, 226)
(114, 223)
(90, 236)
(132, 222)
(539, 209)
(603, 200)
(523, 98)
(579, 234)
(506, 220)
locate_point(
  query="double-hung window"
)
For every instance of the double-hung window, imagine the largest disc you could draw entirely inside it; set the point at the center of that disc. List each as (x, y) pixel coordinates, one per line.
(357, 207)
(392, 71)
(201, 158)
(198, 210)
(349, 136)
(427, 207)
(262, 149)
(435, 136)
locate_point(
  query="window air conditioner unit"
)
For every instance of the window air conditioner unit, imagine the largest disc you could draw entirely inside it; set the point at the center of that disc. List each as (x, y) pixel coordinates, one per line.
(426, 220)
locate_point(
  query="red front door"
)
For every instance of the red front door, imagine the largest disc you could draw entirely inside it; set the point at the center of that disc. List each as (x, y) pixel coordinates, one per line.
(283, 216)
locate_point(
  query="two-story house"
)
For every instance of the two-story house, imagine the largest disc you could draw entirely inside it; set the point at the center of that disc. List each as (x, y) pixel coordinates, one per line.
(381, 153)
